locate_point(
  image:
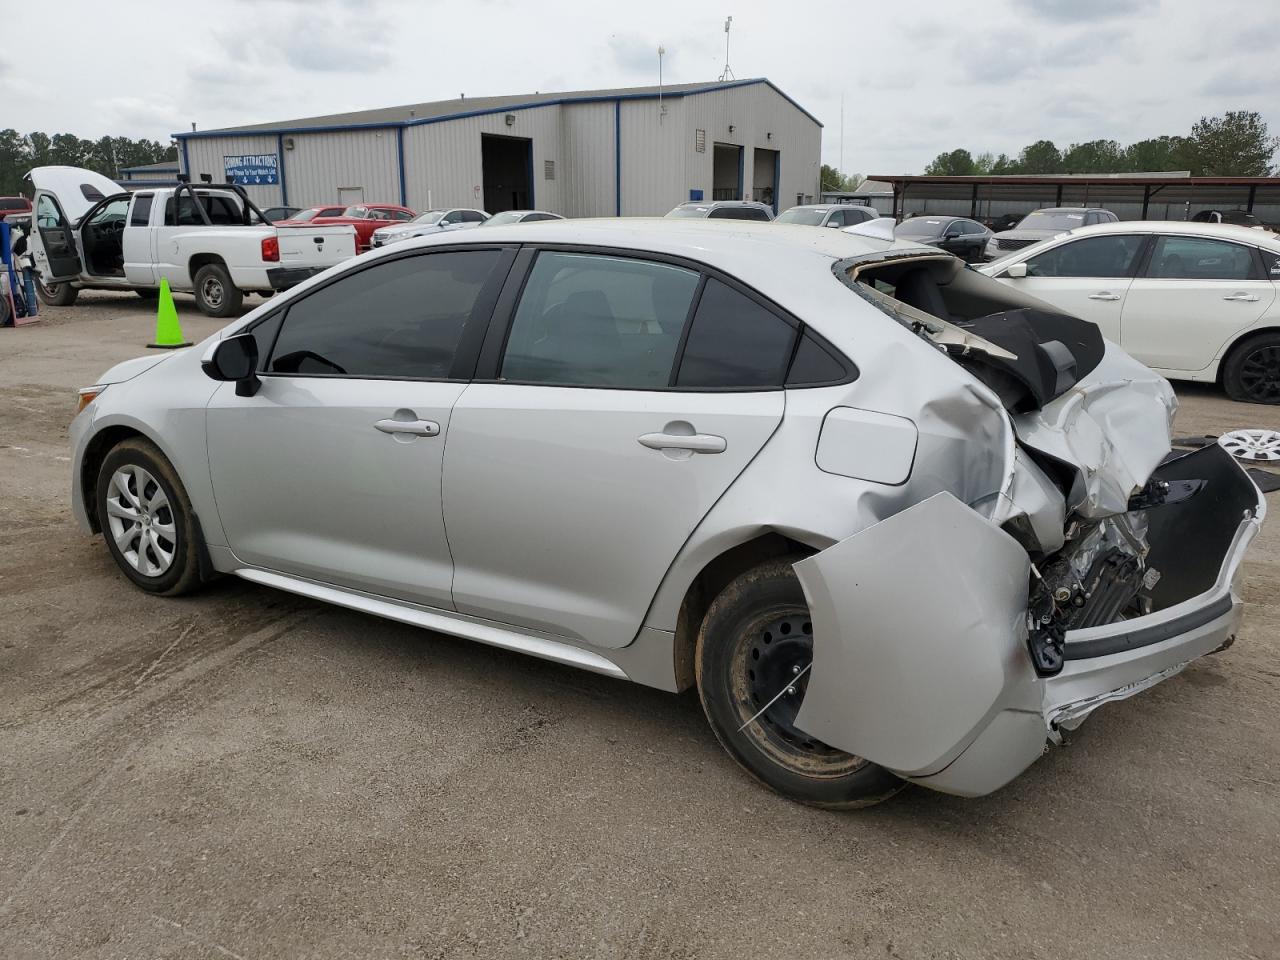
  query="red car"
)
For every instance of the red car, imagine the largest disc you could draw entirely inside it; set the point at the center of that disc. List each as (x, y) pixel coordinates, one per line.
(364, 217)
(17, 207)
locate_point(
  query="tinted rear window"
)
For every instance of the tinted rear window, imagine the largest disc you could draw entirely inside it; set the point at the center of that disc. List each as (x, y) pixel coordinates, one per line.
(735, 342)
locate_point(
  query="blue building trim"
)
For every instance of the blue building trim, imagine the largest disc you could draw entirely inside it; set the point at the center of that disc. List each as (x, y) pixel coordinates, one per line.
(528, 145)
(186, 159)
(404, 190)
(511, 108)
(284, 186)
(742, 162)
(150, 169)
(617, 157)
(777, 179)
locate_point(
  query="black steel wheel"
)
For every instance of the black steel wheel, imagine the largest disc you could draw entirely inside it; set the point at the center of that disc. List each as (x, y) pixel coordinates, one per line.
(56, 294)
(753, 658)
(1252, 371)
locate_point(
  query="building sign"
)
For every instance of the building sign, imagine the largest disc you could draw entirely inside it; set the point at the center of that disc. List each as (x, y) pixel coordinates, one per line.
(252, 168)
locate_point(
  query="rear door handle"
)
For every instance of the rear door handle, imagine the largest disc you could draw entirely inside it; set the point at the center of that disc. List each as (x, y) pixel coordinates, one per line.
(1104, 295)
(418, 428)
(698, 442)
(1247, 297)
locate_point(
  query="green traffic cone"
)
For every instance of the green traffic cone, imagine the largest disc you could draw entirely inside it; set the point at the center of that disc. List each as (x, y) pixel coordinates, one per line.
(168, 330)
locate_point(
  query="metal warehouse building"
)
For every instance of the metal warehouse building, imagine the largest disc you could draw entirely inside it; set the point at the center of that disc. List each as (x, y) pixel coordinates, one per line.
(625, 152)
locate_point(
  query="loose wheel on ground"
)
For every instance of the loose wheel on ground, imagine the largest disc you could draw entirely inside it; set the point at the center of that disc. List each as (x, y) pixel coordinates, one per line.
(755, 643)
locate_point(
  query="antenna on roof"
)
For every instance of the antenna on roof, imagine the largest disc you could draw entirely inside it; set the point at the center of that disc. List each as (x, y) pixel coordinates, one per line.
(662, 108)
(728, 73)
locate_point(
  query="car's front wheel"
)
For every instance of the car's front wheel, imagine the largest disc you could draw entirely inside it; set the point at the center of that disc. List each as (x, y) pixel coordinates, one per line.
(56, 294)
(147, 520)
(1252, 371)
(753, 652)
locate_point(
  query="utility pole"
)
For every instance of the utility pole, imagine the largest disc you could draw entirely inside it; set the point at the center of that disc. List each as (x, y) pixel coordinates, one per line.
(662, 110)
(728, 73)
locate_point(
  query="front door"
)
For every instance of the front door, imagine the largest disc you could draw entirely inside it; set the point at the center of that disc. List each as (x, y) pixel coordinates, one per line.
(1194, 296)
(573, 479)
(1087, 278)
(332, 471)
(53, 247)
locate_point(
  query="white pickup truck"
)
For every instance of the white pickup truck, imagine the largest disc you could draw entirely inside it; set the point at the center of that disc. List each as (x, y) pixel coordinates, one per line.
(209, 239)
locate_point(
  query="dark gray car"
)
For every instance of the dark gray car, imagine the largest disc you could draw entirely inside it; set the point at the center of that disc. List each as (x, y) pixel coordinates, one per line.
(1043, 224)
(966, 238)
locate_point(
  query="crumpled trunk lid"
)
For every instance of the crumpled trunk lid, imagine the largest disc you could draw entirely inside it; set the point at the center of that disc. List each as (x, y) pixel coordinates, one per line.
(1107, 434)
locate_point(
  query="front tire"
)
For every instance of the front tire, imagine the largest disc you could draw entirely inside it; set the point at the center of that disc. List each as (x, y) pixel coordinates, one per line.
(147, 520)
(56, 294)
(754, 643)
(1252, 371)
(216, 295)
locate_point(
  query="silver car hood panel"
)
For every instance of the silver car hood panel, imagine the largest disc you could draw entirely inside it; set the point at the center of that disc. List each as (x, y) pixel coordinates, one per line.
(129, 369)
(1113, 429)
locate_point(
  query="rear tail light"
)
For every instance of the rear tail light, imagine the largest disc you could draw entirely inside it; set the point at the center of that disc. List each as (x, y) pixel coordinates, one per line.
(270, 249)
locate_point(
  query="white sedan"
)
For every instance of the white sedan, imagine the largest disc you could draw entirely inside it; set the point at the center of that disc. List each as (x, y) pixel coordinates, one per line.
(1193, 301)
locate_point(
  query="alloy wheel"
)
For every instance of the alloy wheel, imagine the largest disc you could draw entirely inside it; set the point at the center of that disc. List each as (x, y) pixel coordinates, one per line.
(1260, 374)
(140, 520)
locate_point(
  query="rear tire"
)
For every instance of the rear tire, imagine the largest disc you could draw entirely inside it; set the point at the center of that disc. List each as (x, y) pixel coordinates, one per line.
(754, 639)
(1251, 373)
(216, 295)
(56, 294)
(147, 520)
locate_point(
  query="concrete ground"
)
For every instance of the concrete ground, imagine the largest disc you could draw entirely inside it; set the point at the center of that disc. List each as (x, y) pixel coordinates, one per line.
(248, 774)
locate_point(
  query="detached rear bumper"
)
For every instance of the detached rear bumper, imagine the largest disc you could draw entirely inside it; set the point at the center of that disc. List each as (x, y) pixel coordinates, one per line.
(948, 698)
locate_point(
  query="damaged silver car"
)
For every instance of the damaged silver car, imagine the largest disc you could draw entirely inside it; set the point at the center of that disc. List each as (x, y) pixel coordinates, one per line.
(896, 521)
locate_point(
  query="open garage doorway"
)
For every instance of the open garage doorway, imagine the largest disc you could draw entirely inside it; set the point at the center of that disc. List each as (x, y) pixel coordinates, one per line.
(506, 166)
(764, 182)
(726, 172)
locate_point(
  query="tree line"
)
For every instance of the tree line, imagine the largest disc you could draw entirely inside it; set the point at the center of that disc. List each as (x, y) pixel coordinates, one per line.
(1237, 144)
(106, 155)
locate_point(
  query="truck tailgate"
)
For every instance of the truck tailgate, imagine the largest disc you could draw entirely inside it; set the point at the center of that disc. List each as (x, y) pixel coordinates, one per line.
(316, 246)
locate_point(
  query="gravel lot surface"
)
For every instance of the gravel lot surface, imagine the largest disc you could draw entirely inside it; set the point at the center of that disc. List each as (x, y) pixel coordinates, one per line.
(247, 774)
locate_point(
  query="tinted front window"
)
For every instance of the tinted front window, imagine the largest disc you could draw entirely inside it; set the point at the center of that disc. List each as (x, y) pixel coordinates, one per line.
(1090, 257)
(402, 318)
(141, 215)
(599, 321)
(1199, 258)
(810, 218)
(735, 342)
(1051, 220)
(922, 227)
(472, 216)
(738, 213)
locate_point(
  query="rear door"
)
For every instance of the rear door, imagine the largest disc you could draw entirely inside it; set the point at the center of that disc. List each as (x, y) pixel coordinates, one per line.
(594, 443)
(1088, 277)
(139, 241)
(1195, 294)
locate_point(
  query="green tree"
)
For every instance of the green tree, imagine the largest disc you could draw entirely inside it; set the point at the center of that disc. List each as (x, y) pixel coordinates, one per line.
(957, 163)
(1235, 145)
(1094, 156)
(833, 181)
(1155, 155)
(1041, 157)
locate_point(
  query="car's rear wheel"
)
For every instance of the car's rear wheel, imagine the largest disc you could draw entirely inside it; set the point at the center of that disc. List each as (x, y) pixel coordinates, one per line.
(56, 294)
(753, 649)
(216, 295)
(147, 520)
(1252, 371)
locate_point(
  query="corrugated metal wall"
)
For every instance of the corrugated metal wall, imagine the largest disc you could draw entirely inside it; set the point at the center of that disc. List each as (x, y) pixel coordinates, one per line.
(205, 156)
(587, 151)
(443, 161)
(653, 150)
(320, 164)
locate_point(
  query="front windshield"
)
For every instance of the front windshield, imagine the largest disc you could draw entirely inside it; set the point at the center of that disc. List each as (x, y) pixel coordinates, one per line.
(304, 215)
(689, 212)
(498, 219)
(1051, 220)
(810, 218)
(431, 216)
(921, 227)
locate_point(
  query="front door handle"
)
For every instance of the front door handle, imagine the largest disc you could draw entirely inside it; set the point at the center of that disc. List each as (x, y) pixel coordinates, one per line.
(1246, 297)
(697, 442)
(417, 428)
(1104, 295)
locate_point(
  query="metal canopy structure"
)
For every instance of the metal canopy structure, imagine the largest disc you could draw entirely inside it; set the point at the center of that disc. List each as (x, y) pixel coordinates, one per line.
(1141, 196)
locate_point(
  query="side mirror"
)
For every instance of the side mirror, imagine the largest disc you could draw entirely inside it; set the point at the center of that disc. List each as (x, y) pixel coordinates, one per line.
(235, 360)
(833, 224)
(1016, 270)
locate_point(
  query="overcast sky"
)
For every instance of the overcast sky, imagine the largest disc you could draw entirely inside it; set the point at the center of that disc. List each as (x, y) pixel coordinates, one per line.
(917, 78)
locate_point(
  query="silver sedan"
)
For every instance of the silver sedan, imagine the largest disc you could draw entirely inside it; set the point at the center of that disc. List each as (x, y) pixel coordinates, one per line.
(896, 521)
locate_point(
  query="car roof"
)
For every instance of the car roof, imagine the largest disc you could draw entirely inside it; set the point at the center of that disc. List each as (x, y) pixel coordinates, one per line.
(1224, 231)
(724, 203)
(1068, 210)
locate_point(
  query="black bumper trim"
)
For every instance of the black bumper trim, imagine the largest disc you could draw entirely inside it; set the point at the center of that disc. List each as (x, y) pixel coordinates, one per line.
(282, 278)
(1146, 636)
